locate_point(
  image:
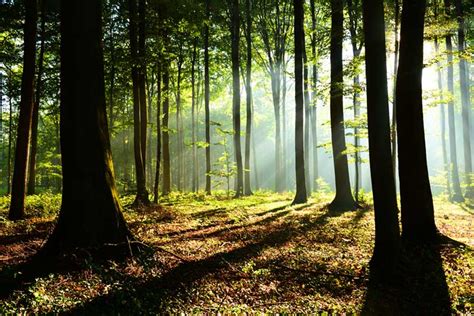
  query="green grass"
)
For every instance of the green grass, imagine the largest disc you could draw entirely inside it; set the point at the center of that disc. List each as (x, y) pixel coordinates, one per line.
(255, 254)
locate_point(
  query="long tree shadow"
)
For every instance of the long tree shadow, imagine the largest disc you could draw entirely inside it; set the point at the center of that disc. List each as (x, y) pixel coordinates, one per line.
(420, 287)
(152, 295)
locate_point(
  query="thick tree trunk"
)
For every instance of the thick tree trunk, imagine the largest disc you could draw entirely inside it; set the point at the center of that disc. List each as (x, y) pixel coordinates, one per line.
(165, 133)
(343, 200)
(466, 100)
(158, 133)
(248, 89)
(387, 230)
(139, 103)
(301, 194)
(416, 199)
(236, 95)
(90, 215)
(457, 194)
(443, 123)
(31, 186)
(206, 100)
(17, 206)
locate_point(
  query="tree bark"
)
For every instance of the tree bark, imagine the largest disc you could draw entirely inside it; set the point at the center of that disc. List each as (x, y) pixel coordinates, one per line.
(465, 99)
(248, 89)
(313, 111)
(457, 194)
(236, 95)
(193, 116)
(343, 200)
(17, 205)
(387, 230)
(416, 199)
(165, 133)
(158, 133)
(31, 186)
(207, 99)
(307, 121)
(90, 215)
(301, 194)
(443, 123)
(394, 105)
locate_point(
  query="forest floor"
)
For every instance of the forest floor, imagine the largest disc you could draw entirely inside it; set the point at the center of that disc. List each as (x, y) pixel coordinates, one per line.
(255, 254)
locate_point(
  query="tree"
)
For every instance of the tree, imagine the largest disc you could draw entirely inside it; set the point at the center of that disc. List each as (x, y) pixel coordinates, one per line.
(457, 194)
(248, 90)
(207, 99)
(465, 99)
(356, 43)
(137, 42)
(417, 209)
(235, 16)
(165, 132)
(274, 24)
(301, 194)
(387, 231)
(344, 200)
(158, 133)
(90, 214)
(36, 105)
(17, 205)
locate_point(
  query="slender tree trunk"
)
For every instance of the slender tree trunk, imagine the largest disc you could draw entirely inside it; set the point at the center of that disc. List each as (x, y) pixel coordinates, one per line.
(443, 122)
(416, 199)
(142, 88)
(465, 99)
(36, 105)
(90, 214)
(284, 155)
(307, 120)
(394, 105)
(313, 112)
(193, 115)
(139, 102)
(236, 95)
(178, 125)
(276, 92)
(17, 205)
(457, 194)
(343, 200)
(387, 230)
(301, 194)
(10, 141)
(158, 133)
(165, 132)
(248, 89)
(355, 42)
(206, 100)
(254, 154)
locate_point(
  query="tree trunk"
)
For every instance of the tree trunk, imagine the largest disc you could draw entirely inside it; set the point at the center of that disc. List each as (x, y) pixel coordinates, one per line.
(457, 194)
(236, 95)
(36, 105)
(313, 112)
(193, 116)
(416, 199)
(343, 200)
(158, 133)
(307, 120)
(301, 194)
(466, 100)
(207, 99)
(138, 83)
(387, 230)
(179, 131)
(17, 206)
(165, 133)
(394, 105)
(248, 89)
(10, 141)
(443, 122)
(90, 214)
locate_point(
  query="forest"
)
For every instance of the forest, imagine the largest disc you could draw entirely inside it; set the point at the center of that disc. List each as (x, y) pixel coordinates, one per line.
(236, 157)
